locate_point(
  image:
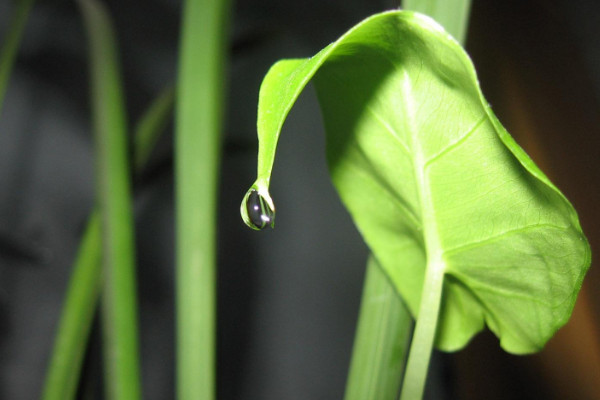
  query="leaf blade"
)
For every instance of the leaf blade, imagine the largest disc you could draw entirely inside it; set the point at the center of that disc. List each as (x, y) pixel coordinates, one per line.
(81, 298)
(11, 41)
(405, 118)
(119, 302)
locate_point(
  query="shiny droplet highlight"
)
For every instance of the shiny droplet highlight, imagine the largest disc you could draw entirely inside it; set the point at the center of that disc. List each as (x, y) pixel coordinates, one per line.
(256, 211)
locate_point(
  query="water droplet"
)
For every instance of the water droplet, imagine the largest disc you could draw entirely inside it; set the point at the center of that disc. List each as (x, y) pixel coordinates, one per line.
(256, 211)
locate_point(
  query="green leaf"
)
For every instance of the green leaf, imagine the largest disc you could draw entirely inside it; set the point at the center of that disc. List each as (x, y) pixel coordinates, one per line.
(11, 41)
(64, 367)
(153, 122)
(81, 298)
(119, 304)
(457, 214)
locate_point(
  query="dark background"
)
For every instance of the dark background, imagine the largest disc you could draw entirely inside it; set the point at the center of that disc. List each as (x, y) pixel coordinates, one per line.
(288, 298)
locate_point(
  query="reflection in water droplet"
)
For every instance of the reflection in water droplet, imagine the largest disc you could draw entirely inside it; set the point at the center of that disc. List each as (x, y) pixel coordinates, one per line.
(256, 212)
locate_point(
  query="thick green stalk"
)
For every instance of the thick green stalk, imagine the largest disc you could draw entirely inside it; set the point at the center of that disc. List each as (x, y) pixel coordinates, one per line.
(119, 304)
(421, 346)
(199, 108)
(381, 341)
(11, 43)
(84, 286)
(454, 16)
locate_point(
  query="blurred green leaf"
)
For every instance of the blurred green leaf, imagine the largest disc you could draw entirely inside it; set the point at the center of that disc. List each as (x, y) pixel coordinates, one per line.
(85, 282)
(119, 303)
(62, 377)
(151, 124)
(11, 43)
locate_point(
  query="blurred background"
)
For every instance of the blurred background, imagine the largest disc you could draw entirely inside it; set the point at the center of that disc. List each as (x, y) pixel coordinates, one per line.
(288, 298)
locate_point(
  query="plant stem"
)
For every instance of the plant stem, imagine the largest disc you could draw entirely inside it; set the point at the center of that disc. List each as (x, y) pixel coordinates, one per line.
(119, 305)
(84, 285)
(11, 43)
(453, 15)
(199, 108)
(424, 334)
(381, 340)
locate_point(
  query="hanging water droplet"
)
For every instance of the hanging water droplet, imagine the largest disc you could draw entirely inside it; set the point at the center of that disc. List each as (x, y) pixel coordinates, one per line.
(256, 211)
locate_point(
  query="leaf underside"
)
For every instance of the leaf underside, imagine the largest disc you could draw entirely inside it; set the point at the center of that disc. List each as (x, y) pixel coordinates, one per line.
(427, 172)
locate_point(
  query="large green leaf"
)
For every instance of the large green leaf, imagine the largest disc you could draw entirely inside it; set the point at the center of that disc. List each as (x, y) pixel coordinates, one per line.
(434, 182)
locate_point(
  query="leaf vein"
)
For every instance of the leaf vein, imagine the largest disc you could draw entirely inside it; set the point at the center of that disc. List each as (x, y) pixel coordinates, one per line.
(484, 286)
(390, 130)
(456, 143)
(505, 234)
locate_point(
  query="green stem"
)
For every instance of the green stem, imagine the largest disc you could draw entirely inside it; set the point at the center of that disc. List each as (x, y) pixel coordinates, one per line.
(84, 285)
(381, 341)
(424, 334)
(197, 150)
(119, 304)
(11, 43)
(453, 15)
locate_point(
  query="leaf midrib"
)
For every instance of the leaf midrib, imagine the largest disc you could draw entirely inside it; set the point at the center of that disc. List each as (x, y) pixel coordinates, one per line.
(433, 247)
